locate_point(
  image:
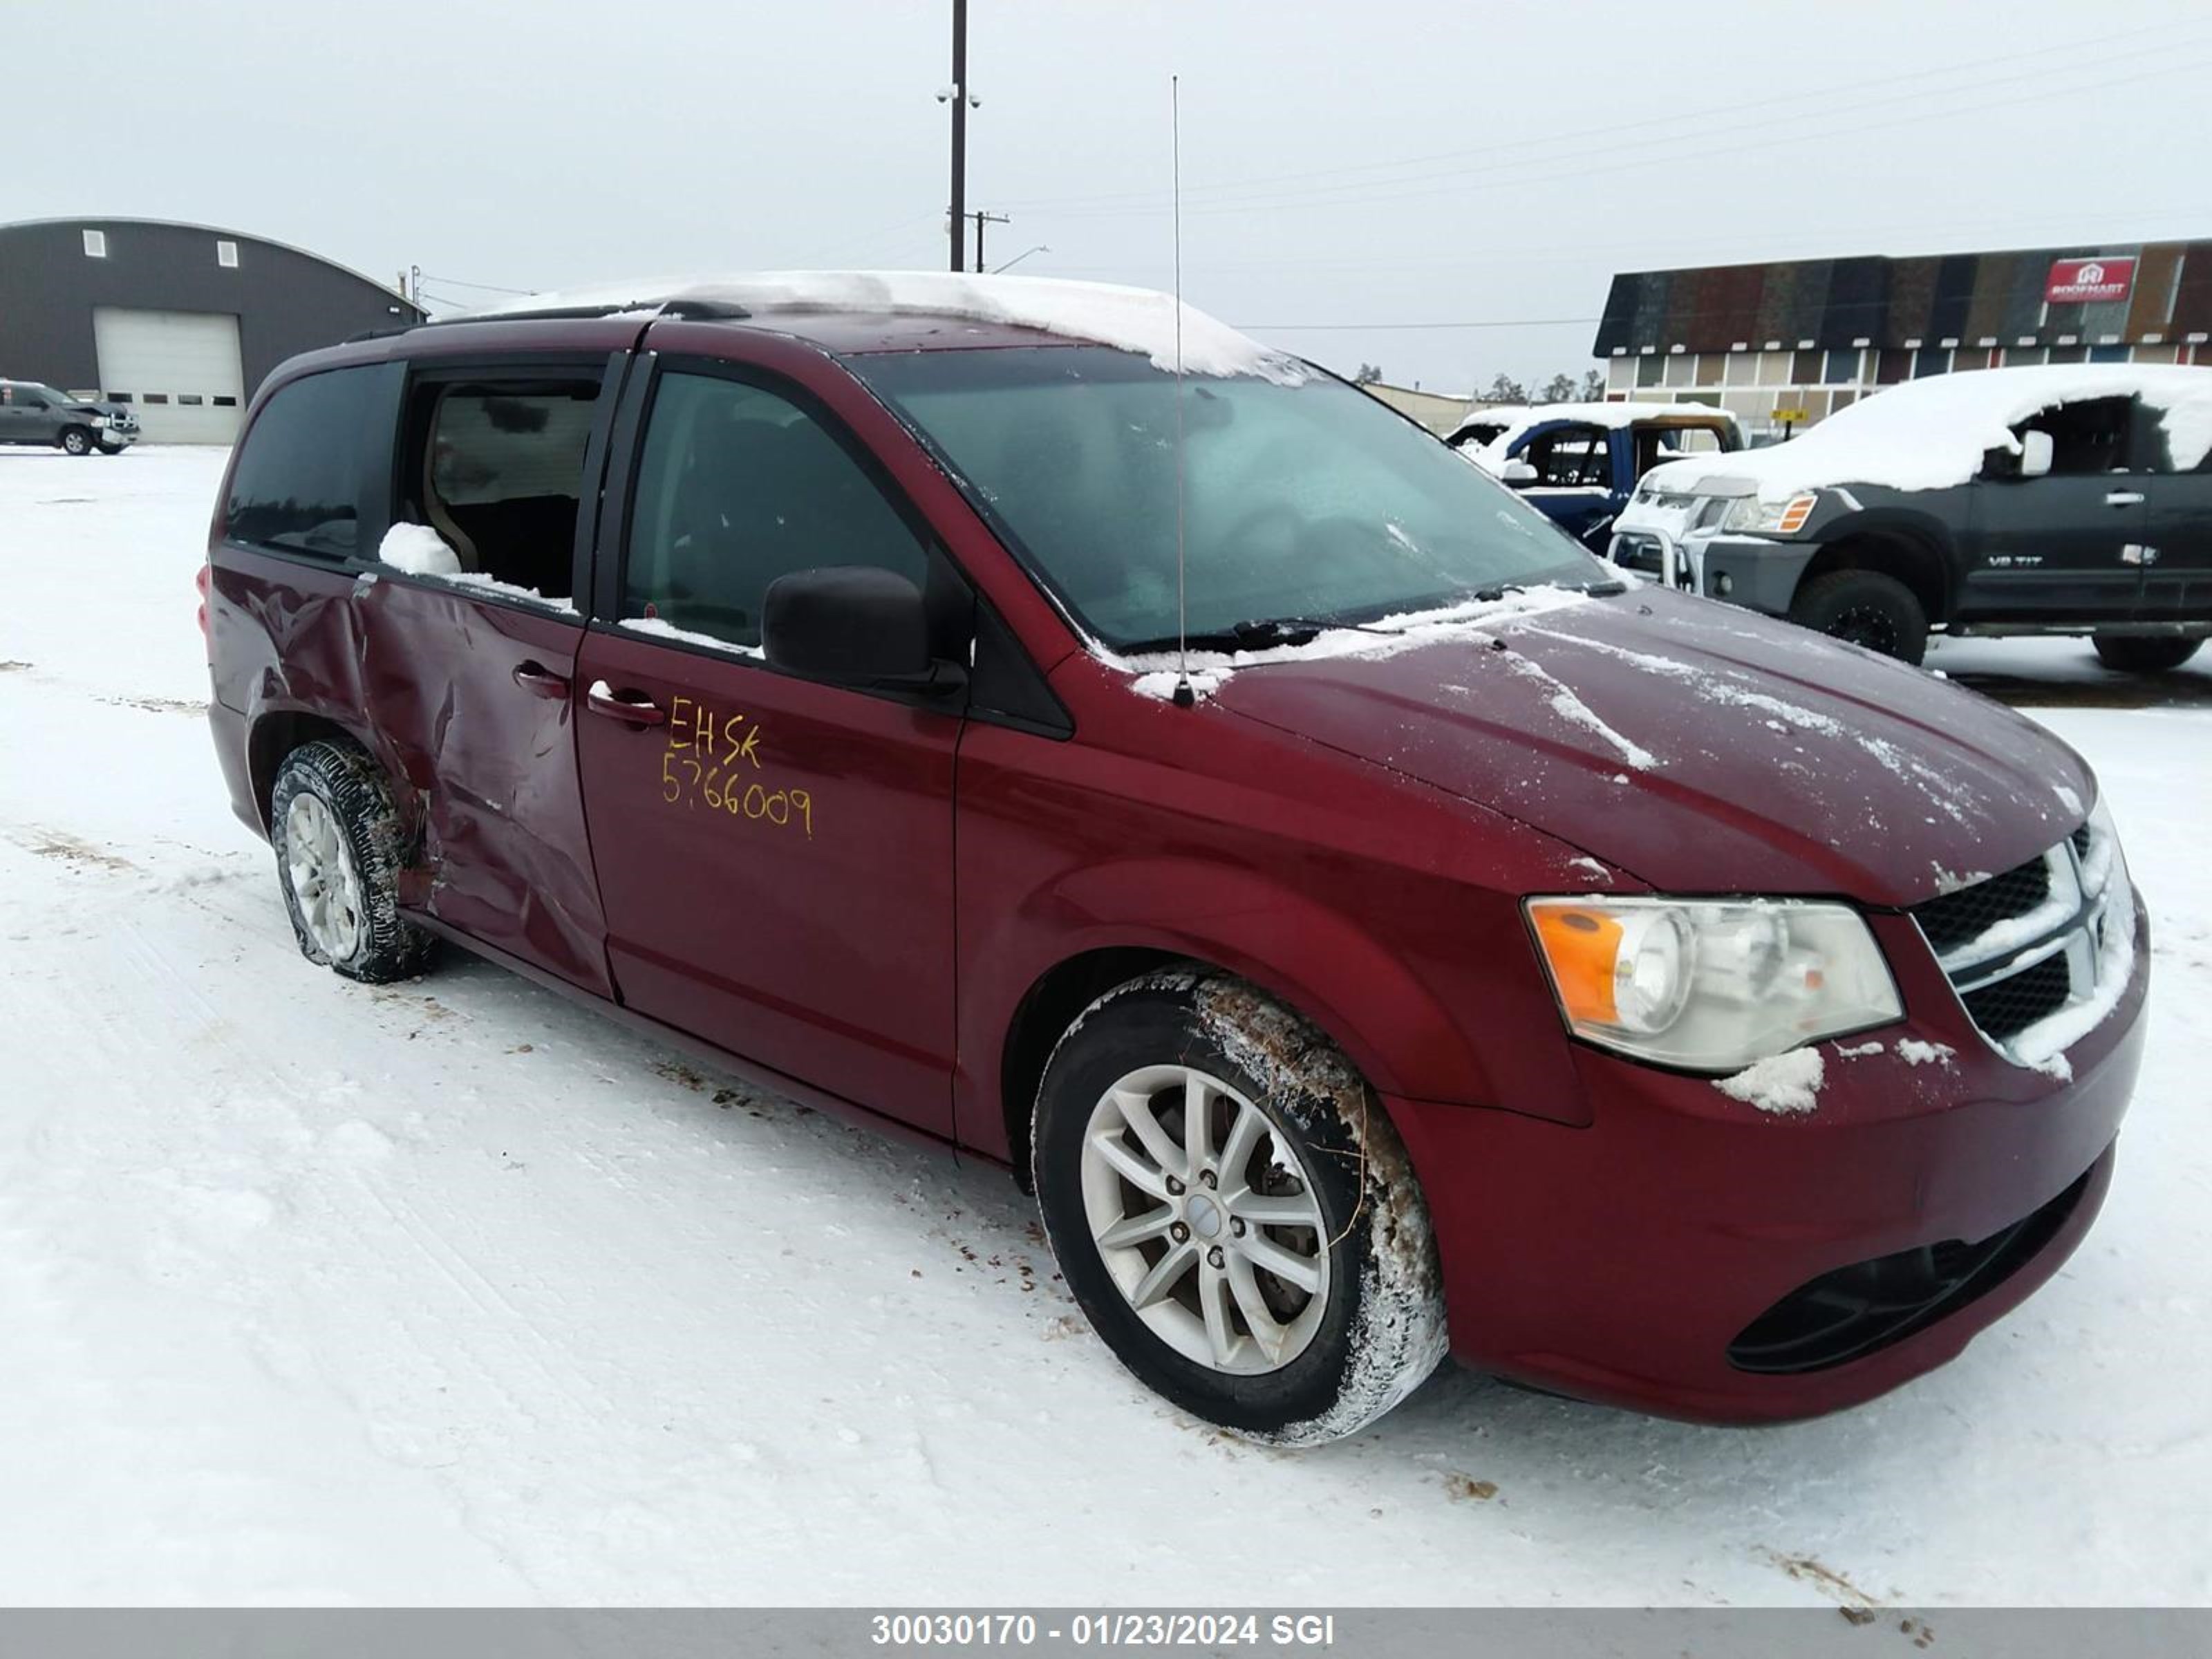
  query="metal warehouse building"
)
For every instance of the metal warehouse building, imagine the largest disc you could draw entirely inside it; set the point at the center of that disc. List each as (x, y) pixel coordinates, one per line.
(180, 321)
(1784, 344)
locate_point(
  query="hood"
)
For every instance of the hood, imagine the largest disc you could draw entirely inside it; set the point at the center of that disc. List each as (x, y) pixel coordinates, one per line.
(1700, 748)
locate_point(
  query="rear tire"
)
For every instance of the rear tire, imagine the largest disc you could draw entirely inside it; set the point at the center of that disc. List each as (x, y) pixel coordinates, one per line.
(75, 440)
(2135, 654)
(1866, 608)
(335, 830)
(1199, 1272)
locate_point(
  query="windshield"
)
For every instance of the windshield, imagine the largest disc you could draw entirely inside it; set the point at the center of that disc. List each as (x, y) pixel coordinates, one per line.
(1313, 503)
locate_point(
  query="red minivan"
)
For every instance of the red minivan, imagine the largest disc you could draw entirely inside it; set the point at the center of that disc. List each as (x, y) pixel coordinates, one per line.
(1644, 1000)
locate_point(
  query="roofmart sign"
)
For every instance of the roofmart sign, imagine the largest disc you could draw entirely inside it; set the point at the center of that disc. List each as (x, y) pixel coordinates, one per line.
(2092, 281)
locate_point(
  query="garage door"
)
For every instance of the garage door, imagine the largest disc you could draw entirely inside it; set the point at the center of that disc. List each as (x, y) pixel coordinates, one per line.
(179, 369)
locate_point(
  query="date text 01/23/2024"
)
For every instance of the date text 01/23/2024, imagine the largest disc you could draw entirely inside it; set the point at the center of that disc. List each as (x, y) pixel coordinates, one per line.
(1103, 1629)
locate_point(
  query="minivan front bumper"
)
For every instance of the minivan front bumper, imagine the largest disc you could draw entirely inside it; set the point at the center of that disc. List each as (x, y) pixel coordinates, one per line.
(1689, 1255)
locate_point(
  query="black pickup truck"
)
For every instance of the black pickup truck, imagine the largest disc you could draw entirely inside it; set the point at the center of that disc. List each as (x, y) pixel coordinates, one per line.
(2058, 499)
(34, 413)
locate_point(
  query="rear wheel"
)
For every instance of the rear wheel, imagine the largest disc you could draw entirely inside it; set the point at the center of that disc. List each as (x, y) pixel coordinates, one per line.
(1234, 1212)
(335, 830)
(2136, 654)
(1866, 608)
(75, 440)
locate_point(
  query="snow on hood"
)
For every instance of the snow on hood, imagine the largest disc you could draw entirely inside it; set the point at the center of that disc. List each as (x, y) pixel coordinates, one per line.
(1139, 319)
(1932, 434)
(1697, 747)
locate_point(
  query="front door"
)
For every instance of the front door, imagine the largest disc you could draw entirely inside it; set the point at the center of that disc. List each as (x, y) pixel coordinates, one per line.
(2068, 546)
(774, 855)
(1574, 485)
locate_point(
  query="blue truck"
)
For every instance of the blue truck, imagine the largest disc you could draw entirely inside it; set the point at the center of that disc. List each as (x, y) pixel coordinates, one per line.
(1578, 464)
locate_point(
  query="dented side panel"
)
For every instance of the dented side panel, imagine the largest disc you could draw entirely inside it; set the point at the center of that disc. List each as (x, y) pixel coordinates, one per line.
(424, 677)
(493, 764)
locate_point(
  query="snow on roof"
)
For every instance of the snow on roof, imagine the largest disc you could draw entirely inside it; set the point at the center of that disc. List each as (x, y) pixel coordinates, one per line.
(1932, 434)
(1498, 415)
(1138, 320)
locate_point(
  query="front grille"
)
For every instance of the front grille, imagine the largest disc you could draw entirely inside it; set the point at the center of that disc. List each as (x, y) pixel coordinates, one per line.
(2023, 946)
(1856, 1310)
(1960, 918)
(2008, 1006)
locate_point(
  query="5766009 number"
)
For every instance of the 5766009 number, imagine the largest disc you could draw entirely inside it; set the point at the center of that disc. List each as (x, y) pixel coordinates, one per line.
(685, 779)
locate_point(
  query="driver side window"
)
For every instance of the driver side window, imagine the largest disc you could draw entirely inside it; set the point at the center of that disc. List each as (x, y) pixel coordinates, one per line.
(1571, 457)
(736, 487)
(2087, 437)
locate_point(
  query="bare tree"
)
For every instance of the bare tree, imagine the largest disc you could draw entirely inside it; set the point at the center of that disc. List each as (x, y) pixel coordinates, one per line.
(1369, 374)
(1559, 389)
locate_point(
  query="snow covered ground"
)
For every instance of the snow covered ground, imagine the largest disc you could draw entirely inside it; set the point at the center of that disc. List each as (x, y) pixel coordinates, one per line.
(451, 1292)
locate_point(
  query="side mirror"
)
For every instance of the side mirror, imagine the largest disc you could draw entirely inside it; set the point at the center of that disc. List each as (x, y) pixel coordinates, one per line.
(2035, 455)
(854, 624)
(1518, 474)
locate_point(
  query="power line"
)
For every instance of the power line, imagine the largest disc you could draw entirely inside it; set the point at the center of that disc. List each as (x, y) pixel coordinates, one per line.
(1489, 153)
(455, 282)
(1495, 322)
(1334, 195)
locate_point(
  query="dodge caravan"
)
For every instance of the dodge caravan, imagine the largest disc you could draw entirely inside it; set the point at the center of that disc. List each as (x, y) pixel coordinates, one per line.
(1048, 723)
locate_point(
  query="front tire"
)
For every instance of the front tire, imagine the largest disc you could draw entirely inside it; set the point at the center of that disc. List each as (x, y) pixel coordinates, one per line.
(75, 440)
(1234, 1211)
(2136, 654)
(335, 830)
(1867, 608)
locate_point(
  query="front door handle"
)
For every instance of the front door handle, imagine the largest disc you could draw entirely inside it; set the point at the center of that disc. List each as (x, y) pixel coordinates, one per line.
(539, 681)
(2124, 498)
(631, 708)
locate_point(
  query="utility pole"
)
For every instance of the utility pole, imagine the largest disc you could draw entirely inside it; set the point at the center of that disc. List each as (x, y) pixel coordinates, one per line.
(981, 219)
(960, 129)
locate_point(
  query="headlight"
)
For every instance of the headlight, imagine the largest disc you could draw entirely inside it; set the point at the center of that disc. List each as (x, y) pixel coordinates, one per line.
(1779, 518)
(99, 421)
(1712, 986)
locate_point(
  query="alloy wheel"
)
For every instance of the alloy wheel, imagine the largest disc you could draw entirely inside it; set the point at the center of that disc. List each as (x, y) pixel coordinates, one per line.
(1866, 625)
(1206, 1220)
(325, 885)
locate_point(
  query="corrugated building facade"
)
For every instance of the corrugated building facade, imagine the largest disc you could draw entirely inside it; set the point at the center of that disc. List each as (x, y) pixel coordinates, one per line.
(1805, 337)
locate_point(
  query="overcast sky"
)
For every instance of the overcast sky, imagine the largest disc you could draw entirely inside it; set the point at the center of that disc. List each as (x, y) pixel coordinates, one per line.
(1361, 164)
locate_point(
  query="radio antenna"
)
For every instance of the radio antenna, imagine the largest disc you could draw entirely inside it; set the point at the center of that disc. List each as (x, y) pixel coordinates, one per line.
(1184, 696)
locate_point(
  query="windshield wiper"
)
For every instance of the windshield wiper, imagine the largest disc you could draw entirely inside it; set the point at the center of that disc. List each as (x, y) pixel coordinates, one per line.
(1260, 634)
(1603, 588)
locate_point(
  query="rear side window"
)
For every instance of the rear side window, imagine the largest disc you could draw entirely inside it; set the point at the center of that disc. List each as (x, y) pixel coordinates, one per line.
(496, 468)
(301, 479)
(737, 487)
(1573, 456)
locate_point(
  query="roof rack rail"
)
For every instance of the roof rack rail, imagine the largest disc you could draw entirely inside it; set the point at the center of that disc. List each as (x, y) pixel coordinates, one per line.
(679, 309)
(689, 310)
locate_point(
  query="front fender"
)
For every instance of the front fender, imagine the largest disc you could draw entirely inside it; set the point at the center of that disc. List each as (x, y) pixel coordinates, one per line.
(1293, 946)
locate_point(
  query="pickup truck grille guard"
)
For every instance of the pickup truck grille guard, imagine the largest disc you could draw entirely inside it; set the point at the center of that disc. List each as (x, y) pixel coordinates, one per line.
(2019, 946)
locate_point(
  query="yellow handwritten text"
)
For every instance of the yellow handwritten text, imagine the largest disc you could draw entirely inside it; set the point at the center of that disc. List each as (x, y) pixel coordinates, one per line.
(709, 760)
